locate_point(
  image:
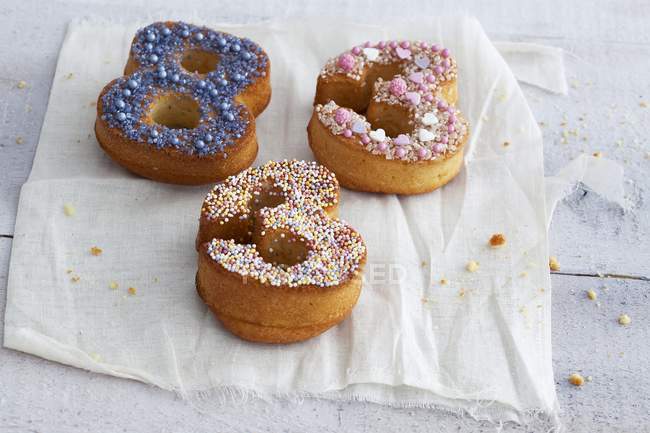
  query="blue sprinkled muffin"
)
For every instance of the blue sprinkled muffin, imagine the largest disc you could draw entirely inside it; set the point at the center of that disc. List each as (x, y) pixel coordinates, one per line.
(184, 112)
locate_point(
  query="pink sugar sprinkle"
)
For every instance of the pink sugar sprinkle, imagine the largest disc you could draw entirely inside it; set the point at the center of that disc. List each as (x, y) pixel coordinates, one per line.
(347, 133)
(392, 44)
(428, 97)
(365, 139)
(431, 78)
(450, 128)
(446, 64)
(400, 152)
(442, 105)
(367, 44)
(451, 119)
(341, 115)
(444, 139)
(356, 51)
(439, 148)
(434, 48)
(381, 45)
(422, 153)
(381, 146)
(422, 87)
(438, 70)
(397, 86)
(405, 44)
(424, 45)
(444, 53)
(346, 62)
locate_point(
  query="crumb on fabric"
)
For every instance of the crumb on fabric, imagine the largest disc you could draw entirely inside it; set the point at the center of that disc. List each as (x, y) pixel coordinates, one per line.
(591, 294)
(553, 264)
(113, 285)
(69, 210)
(444, 281)
(132, 291)
(624, 319)
(68, 271)
(75, 278)
(19, 140)
(643, 104)
(589, 378)
(70, 76)
(524, 274)
(21, 84)
(461, 293)
(497, 240)
(598, 154)
(472, 266)
(506, 143)
(576, 379)
(96, 251)
(423, 264)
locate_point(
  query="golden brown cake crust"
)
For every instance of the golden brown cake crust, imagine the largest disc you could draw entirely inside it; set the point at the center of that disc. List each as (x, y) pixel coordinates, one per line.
(275, 264)
(384, 118)
(174, 164)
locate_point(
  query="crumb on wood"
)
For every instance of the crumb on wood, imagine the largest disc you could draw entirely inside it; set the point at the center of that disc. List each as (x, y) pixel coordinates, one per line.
(497, 240)
(69, 210)
(624, 319)
(472, 266)
(576, 379)
(96, 251)
(553, 264)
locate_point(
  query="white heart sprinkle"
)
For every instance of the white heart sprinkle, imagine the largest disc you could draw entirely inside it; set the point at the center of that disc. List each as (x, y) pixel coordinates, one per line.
(426, 135)
(378, 135)
(371, 53)
(430, 119)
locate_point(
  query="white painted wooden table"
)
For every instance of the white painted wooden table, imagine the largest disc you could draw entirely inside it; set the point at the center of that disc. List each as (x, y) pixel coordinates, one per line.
(608, 66)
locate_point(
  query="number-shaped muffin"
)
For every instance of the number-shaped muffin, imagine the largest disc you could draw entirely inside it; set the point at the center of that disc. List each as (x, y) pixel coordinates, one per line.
(384, 118)
(184, 112)
(275, 264)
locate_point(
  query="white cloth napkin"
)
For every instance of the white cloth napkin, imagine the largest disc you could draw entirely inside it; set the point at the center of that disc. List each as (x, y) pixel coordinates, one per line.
(480, 343)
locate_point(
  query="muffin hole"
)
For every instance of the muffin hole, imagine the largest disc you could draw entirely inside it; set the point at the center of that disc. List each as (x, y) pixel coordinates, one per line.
(199, 61)
(268, 195)
(281, 248)
(176, 111)
(393, 119)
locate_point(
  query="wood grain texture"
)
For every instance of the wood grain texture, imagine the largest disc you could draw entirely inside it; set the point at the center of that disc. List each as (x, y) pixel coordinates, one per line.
(607, 64)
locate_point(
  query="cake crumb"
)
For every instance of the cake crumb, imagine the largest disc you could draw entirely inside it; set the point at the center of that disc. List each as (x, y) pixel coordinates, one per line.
(443, 281)
(624, 319)
(132, 291)
(472, 266)
(497, 240)
(21, 84)
(19, 140)
(69, 210)
(598, 154)
(553, 264)
(576, 379)
(591, 294)
(113, 285)
(96, 251)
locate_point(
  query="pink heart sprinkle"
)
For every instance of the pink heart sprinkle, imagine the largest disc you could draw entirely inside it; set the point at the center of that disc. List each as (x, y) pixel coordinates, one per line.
(403, 53)
(413, 97)
(416, 77)
(402, 140)
(422, 62)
